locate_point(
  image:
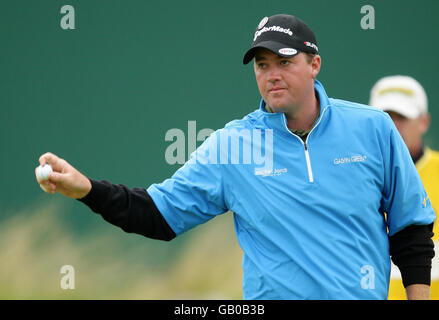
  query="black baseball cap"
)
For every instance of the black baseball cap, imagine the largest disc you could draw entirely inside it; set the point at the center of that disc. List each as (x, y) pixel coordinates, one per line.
(284, 35)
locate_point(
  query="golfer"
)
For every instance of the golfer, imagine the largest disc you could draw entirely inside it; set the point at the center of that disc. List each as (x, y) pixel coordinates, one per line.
(323, 191)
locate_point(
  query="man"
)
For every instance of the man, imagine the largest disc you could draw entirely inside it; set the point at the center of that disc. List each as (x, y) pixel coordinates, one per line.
(405, 100)
(310, 217)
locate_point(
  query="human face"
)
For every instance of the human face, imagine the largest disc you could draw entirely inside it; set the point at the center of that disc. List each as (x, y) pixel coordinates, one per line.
(285, 84)
(411, 130)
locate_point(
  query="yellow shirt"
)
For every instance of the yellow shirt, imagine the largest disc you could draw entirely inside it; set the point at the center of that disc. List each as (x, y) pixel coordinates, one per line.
(428, 168)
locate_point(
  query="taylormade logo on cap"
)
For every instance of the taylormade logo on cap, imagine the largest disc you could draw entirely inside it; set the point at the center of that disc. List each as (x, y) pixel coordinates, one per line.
(273, 28)
(284, 35)
(263, 22)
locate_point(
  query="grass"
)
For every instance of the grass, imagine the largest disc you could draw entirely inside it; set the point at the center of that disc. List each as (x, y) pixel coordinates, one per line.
(110, 264)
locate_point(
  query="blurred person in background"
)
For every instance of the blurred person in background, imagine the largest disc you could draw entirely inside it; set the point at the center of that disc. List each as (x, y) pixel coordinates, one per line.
(405, 100)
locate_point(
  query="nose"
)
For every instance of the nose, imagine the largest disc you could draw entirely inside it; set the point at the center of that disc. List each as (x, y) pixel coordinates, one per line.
(274, 74)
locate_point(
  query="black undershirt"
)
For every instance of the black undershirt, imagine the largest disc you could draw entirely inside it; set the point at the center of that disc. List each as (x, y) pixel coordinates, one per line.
(130, 209)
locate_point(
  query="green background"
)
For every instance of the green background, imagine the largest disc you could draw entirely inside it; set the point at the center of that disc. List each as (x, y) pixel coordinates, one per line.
(104, 95)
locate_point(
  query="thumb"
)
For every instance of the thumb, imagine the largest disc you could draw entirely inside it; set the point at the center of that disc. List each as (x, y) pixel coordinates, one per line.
(57, 177)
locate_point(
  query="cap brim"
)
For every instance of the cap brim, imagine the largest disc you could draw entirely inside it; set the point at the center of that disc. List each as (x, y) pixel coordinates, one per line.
(273, 46)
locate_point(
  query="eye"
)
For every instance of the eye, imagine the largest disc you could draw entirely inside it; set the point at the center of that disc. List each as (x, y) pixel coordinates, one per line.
(262, 65)
(284, 62)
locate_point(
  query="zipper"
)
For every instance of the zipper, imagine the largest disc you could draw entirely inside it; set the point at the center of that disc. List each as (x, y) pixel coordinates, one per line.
(305, 145)
(308, 161)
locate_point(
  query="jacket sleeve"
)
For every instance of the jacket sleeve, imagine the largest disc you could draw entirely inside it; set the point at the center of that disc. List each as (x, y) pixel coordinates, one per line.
(195, 193)
(404, 197)
(409, 212)
(133, 210)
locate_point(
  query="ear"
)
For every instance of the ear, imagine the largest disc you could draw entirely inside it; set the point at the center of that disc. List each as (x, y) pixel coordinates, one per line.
(425, 123)
(316, 63)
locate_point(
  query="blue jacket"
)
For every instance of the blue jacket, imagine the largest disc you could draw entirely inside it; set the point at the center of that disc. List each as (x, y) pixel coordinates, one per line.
(313, 218)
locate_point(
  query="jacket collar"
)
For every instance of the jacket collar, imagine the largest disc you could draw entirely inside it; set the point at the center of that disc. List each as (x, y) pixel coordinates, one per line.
(278, 120)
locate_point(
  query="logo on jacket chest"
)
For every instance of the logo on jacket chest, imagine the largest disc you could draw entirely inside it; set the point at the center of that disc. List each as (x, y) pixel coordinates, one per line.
(349, 159)
(270, 172)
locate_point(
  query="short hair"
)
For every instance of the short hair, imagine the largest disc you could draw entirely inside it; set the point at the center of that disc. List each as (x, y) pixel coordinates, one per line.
(309, 56)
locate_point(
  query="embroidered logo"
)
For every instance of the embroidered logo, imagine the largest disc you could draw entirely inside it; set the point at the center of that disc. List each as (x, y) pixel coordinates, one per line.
(424, 203)
(263, 22)
(270, 172)
(272, 28)
(287, 51)
(352, 159)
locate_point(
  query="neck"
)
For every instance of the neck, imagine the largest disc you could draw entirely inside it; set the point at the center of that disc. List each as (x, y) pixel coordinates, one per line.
(304, 117)
(417, 153)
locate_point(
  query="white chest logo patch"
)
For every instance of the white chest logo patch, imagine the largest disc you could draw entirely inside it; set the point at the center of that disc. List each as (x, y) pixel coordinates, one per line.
(352, 159)
(270, 172)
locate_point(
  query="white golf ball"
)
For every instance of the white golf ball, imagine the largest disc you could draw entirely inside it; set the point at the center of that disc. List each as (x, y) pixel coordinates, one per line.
(43, 172)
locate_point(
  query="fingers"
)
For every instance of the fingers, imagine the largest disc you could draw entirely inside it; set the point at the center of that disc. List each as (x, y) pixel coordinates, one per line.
(47, 157)
(55, 177)
(47, 185)
(55, 162)
(64, 178)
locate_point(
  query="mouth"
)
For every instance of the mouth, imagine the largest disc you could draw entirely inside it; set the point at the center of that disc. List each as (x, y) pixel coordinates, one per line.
(276, 90)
